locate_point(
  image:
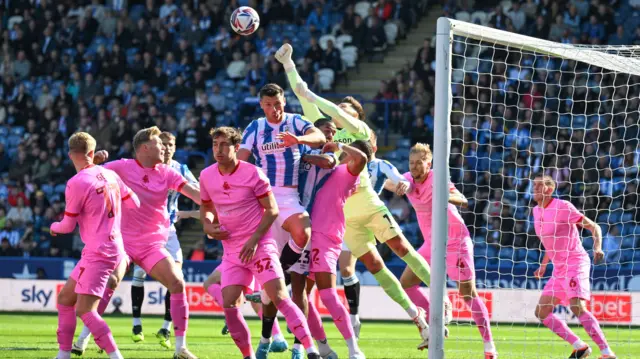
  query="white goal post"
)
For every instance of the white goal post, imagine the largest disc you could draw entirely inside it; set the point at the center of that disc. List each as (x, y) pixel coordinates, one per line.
(603, 60)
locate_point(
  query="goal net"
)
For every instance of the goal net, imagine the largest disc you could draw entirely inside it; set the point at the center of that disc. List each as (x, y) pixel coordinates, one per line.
(511, 107)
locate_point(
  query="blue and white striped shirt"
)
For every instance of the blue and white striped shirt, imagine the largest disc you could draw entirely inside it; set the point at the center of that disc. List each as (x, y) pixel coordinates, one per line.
(172, 200)
(311, 179)
(380, 171)
(281, 164)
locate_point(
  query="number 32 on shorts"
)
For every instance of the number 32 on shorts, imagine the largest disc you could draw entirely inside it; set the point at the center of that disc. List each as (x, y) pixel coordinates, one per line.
(263, 264)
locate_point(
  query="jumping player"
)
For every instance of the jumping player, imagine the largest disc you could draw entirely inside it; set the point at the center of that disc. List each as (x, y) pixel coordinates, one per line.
(275, 142)
(239, 208)
(367, 218)
(460, 266)
(145, 231)
(94, 197)
(556, 223)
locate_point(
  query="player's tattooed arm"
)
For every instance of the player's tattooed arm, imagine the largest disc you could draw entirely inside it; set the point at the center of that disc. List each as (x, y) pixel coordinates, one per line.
(596, 232)
(457, 199)
(192, 191)
(324, 161)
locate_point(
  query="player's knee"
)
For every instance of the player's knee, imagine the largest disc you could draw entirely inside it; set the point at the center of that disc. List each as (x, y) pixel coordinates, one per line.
(542, 312)
(373, 262)
(347, 272)
(65, 299)
(577, 309)
(399, 246)
(301, 236)
(176, 286)
(113, 282)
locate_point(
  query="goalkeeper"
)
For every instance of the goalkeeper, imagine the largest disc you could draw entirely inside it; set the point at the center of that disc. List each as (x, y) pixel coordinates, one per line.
(367, 218)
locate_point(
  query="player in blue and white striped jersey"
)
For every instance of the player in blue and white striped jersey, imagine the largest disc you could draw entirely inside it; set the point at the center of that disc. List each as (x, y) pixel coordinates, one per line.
(172, 246)
(275, 141)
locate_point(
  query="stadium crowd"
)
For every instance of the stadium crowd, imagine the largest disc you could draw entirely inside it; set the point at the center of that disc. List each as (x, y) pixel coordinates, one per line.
(111, 67)
(516, 115)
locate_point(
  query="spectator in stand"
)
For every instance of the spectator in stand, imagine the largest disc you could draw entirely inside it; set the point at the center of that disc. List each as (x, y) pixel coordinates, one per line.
(314, 53)
(517, 16)
(498, 19)
(557, 30)
(20, 214)
(331, 58)
(237, 68)
(303, 11)
(376, 36)
(6, 250)
(620, 37)
(592, 31)
(318, 21)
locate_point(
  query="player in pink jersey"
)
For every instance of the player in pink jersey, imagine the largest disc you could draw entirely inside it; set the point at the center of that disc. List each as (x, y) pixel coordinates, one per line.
(460, 266)
(239, 209)
(94, 197)
(331, 192)
(556, 223)
(145, 230)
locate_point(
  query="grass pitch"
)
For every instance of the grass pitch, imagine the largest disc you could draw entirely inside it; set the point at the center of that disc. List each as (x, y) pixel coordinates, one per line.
(34, 336)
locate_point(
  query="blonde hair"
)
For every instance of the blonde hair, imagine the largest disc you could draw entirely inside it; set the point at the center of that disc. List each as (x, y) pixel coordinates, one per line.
(167, 136)
(143, 136)
(547, 180)
(82, 142)
(423, 150)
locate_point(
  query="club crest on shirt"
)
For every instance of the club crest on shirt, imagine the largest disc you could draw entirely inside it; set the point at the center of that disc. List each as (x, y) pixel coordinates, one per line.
(226, 186)
(145, 179)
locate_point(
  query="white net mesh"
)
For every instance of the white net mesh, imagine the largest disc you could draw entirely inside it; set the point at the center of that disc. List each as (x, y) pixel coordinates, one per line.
(523, 107)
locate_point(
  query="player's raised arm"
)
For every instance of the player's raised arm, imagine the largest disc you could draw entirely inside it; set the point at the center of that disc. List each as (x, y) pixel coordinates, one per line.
(355, 159)
(324, 160)
(283, 55)
(341, 117)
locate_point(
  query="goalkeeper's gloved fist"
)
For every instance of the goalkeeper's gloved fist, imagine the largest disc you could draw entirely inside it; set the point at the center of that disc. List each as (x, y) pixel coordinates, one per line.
(283, 55)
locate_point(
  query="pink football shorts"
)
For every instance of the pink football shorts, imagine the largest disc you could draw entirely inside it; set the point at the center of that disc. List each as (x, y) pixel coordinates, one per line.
(92, 273)
(460, 265)
(570, 283)
(325, 251)
(264, 267)
(146, 252)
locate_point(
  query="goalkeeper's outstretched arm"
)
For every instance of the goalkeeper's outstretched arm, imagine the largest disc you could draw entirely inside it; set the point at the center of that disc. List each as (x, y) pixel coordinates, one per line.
(339, 116)
(283, 55)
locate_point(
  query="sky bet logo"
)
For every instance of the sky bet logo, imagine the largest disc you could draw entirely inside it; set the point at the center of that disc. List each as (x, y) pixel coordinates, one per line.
(33, 295)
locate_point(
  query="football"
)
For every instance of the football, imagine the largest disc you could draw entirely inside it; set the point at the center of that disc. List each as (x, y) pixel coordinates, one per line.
(245, 20)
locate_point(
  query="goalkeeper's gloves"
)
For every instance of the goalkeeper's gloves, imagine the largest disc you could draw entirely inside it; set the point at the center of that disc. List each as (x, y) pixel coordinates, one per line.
(283, 55)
